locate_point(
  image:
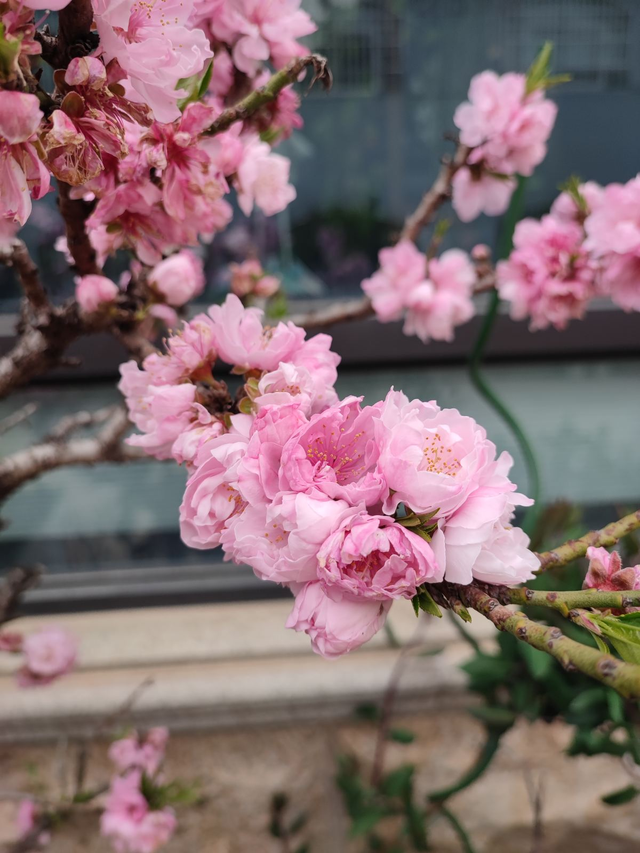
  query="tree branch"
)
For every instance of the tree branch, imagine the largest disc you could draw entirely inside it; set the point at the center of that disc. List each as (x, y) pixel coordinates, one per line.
(74, 212)
(14, 585)
(436, 196)
(566, 601)
(280, 80)
(575, 548)
(105, 446)
(17, 417)
(18, 257)
(623, 677)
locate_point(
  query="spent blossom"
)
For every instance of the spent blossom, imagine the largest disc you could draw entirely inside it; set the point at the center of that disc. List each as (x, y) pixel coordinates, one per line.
(605, 571)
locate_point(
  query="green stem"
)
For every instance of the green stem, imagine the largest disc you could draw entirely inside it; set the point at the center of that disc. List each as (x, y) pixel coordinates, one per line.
(477, 356)
(274, 85)
(483, 761)
(623, 677)
(566, 601)
(575, 548)
(459, 830)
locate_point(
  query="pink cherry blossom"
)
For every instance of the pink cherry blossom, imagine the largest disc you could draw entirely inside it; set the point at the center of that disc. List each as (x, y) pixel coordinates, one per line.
(249, 278)
(605, 571)
(478, 191)
(549, 275)
(22, 174)
(259, 474)
(292, 384)
(146, 754)
(620, 280)
(335, 453)
(191, 354)
(212, 497)
(281, 542)
(128, 820)
(178, 278)
(614, 226)
(335, 625)
(507, 127)
(505, 558)
(566, 209)
(402, 269)
(161, 412)
(192, 446)
(437, 306)
(244, 342)
(154, 46)
(263, 180)
(49, 653)
(27, 819)
(372, 557)
(94, 291)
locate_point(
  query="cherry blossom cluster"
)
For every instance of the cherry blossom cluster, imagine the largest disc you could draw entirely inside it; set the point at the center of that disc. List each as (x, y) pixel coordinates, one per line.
(47, 654)
(587, 246)
(134, 818)
(127, 127)
(434, 296)
(351, 506)
(506, 123)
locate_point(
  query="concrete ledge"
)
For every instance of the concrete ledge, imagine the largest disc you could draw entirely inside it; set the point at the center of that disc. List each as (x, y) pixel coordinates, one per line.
(226, 665)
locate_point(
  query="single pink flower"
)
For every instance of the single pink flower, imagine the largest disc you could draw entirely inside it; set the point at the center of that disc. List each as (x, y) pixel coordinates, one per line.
(242, 340)
(146, 754)
(336, 453)
(373, 557)
(335, 625)
(94, 291)
(178, 278)
(23, 176)
(212, 496)
(476, 192)
(26, 820)
(249, 278)
(155, 46)
(605, 571)
(128, 820)
(549, 276)
(292, 384)
(49, 654)
(263, 180)
(403, 268)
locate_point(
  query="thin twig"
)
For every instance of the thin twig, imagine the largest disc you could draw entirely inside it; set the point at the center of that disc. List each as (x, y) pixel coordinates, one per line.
(15, 584)
(105, 446)
(575, 548)
(436, 196)
(280, 80)
(17, 256)
(17, 417)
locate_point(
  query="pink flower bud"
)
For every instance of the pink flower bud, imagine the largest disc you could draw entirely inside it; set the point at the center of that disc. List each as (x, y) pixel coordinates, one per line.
(94, 291)
(178, 278)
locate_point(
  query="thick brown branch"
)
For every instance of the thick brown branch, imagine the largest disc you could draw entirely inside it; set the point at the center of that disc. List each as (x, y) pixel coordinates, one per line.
(105, 446)
(14, 585)
(75, 36)
(280, 80)
(574, 548)
(75, 213)
(436, 196)
(18, 257)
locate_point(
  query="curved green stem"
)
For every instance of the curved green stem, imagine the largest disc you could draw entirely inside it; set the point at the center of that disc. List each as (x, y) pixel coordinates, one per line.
(459, 830)
(477, 355)
(483, 761)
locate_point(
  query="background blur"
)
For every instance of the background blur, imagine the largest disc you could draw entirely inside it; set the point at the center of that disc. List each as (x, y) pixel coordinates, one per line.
(109, 536)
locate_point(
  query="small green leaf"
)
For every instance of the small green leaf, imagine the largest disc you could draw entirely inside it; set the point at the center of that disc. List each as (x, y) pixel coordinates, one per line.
(401, 735)
(425, 602)
(538, 663)
(615, 704)
(367, 821)
(624, 795)
(494, 717)
(398, 783)
(368, 711)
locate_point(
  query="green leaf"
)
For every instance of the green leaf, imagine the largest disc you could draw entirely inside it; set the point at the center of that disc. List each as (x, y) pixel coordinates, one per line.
(624, 795)
(615, 704)
(539, 68)
(494, 717)
(623, 633)
(9, 52)
(401, 735)
(195, 86)
(399, 782)
(538, 663)
(572, 187)
(367, 821)
(368, 711)
(425, 602)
